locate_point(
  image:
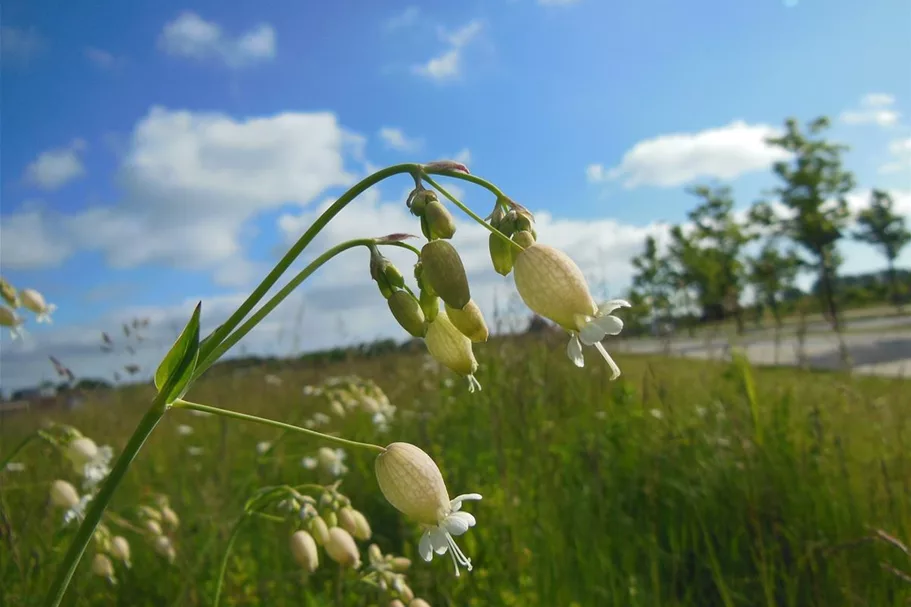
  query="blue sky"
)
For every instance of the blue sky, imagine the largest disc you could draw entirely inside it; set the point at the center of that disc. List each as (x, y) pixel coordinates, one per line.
(159, 153)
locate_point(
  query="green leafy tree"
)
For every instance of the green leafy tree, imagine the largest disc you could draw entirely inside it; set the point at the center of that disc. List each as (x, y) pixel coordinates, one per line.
(813, 187)
(773, 275)
(653, 277)
(881, 227)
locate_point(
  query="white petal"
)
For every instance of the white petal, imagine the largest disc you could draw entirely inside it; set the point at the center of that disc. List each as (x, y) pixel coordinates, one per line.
(611, 325)
(591, 333)
(456, 504)
(425, 549)
(439, 539)
(615, 370)
(609, 306)
(574, 351)
(458, 523)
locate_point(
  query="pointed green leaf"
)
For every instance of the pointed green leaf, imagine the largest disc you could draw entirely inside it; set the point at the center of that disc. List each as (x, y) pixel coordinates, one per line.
(174, 372)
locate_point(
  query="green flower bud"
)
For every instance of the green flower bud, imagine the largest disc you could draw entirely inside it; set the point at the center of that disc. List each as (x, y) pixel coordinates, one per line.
(8, 292)
(330, 518)
(408, 313)
(440, 222)
(430, 304)
(524, 239)
(501, 254)
(419, 201)
(450, 347)
(469, 321)
(443, 269)
(387, 276)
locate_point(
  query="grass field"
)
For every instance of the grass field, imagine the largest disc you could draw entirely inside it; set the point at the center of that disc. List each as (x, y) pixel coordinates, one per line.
(683, 483)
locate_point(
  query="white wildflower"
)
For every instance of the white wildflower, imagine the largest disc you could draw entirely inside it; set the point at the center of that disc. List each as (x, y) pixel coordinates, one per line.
(184, 430)
(33, 301)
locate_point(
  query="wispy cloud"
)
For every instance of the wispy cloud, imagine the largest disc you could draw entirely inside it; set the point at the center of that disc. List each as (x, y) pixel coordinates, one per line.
(407, 18)
(448, 65)
(192, 37)
(875, 108)
(396, 139)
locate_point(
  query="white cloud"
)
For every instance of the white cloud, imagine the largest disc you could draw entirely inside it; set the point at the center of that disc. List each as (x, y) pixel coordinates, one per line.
(192, 37)
(875, 108)
(18, 46)
(193, 181)
(675, 159)
(901, 152)
(397, 140)
(403, 20)
(55, 168)
(447, 65)
(28, 242)
(103, 59)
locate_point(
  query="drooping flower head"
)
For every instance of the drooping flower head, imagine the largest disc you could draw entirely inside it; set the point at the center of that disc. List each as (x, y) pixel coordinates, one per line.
(452, 348)
(413, 484)
(12, 321)
(33, 301)
(553, 286)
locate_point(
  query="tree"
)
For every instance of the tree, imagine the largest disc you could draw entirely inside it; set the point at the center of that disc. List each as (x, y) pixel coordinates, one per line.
(721, 238)
(813, 189)
(773, 275)
(881, 227)
(652, 276)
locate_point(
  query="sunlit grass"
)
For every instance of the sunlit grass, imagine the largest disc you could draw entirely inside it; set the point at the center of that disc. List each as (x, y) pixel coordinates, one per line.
(664, 488)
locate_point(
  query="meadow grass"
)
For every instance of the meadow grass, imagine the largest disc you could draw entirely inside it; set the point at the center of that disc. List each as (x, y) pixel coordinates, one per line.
(683, 483)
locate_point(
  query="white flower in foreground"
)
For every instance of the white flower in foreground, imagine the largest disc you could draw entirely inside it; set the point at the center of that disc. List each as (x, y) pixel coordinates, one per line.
(552, 285)
(33, 301)
(11, 320)
(413, 484)
(15, 467)
(77, 512)
(95, 471)
(263, 447)
(184, 430)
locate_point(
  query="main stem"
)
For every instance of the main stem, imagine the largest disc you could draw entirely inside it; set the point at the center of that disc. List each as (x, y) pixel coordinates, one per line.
(183, 404)
(100, 502)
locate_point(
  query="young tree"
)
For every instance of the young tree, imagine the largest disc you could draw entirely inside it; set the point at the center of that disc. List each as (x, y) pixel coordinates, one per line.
(773, 274)
(881, 227)
(652, 276)
(813, 189)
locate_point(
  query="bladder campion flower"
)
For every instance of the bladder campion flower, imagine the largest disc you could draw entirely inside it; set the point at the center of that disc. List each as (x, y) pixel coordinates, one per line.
(64, 495)
(120, 549)
(102, 567)
(342, 549)
(33, 301)
(452, 348)
(303, 549)
(552, 285)
(9, 319)
(413, 484)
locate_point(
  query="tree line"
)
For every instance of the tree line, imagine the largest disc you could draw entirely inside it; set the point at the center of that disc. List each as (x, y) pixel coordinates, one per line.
(710, 261)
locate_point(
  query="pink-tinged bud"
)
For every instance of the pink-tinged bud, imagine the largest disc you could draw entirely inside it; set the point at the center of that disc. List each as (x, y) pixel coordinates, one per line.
(303, 549)
(446, 165)
(342, 549)
(553, 286)
(412, 483)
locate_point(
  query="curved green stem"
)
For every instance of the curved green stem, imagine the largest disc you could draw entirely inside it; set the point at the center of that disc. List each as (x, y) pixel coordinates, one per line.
(183, 404)
(100, 502)
(472, 179)
(224, 560)
(229, 341)
(22, 444)
(214, 340)
(471, 213)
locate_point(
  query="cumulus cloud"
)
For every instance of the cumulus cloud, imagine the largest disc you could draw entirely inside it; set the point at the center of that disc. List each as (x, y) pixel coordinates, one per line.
(28, 241)
(55, 168)
(192, 37)
(874, 108)
(679, 158)
(215, 174)
(396, 139)
(447, 65)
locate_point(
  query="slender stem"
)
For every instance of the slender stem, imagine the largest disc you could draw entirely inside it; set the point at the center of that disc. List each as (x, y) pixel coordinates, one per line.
(183, 404)
(100, 502)
(471, 178)
(471, 213)
(266, 309)
(224, 560)
(22, 444)
(215, 339)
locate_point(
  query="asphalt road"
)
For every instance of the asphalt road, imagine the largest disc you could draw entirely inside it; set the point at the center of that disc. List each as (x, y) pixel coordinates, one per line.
(877, 346)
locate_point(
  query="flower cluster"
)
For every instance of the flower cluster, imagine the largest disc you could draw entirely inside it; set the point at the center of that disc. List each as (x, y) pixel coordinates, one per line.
(29, 299)
(351, 395)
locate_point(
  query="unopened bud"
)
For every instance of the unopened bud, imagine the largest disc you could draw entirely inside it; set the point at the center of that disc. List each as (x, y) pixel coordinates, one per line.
(418, 603)
(446, 165)
(169, 517)
(342, 549)
(331, 519)
(346, 520)
(396, 603)
(362, 530)
(64, 495)
(8, 293)
(120, 549)
(525, 221)
(469, 321)
(153, 527)
(399, 564)
(407, 312)
(443, 270)
(320, 530)
(440, 222)
(404, 590)
(165, 548)
(374, 553)
(501, 254)
(387, 276)
(303, 549)
(102, 567)
(524, 239)
(80, 451)
(450, 347)
(430, 305)
(419, 199)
